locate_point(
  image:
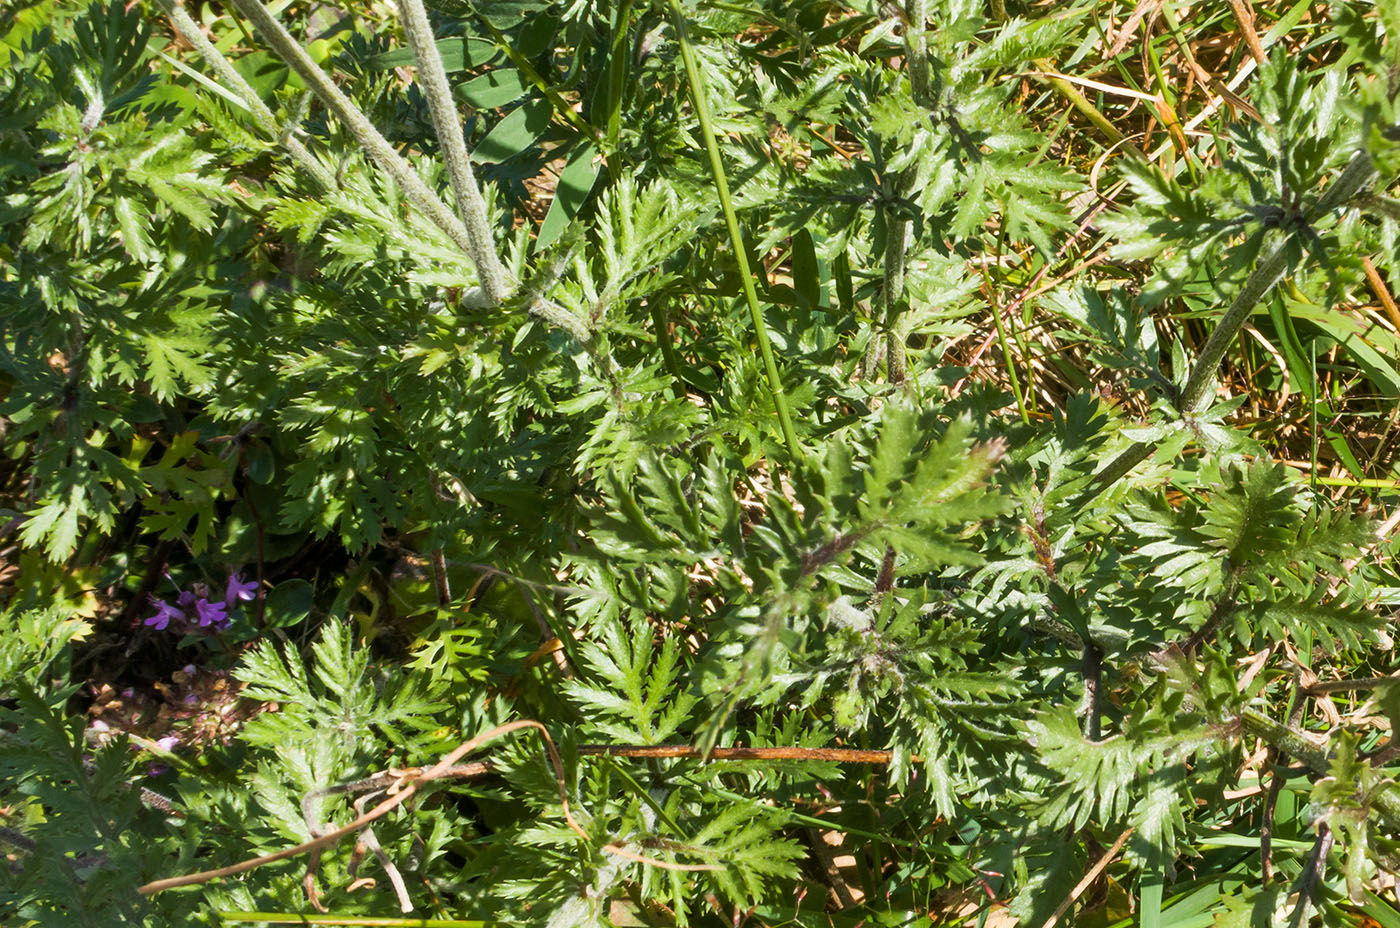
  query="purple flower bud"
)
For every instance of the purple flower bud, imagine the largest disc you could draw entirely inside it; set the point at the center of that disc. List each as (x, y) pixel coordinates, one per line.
(215, 614)
(164, 614)
(168, 742)
(239, 589)
(185, 600)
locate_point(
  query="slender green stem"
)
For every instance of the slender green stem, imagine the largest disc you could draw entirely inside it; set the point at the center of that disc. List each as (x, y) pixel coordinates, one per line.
(1367, 483)
(1001, 326)
(374, 144)
(1010, 365)
(617, 73)
(646, 797)
(1312, 413)
(448, 124)
(1081, 103)
(736, 238)
(562, 107)
(234, 82)
(668, 349)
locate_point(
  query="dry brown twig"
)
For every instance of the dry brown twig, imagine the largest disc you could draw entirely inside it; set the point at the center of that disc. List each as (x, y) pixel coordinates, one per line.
(408, 783)
(436, 772)
(1088, 879)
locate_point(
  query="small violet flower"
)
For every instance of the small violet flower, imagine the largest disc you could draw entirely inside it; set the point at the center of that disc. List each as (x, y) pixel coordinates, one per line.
(168, 742)
(164, 614)
(239, 589)
(215, 614)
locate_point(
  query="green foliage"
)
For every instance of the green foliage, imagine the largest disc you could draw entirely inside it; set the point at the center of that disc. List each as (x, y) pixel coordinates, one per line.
(577, 505)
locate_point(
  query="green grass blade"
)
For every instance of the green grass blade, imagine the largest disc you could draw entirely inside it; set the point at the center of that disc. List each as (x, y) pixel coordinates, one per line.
(736, 238)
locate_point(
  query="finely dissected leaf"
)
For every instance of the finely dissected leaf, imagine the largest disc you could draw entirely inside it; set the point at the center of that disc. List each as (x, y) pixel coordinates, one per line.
(238, 360)
(646, 701)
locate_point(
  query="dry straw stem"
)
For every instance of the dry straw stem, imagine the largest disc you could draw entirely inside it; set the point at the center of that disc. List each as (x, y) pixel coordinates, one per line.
(186, 26)
(374, 144)
(441, 770)
(447, 768)
(1088, 879)
(470, 205)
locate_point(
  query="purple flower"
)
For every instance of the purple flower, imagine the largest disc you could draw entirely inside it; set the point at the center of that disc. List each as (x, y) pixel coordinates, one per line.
(168, 742)
(185, 600)
(238, 589)
(215, 614)
(164, 614)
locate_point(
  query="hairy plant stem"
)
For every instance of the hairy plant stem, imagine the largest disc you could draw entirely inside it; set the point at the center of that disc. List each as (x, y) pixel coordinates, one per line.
(896, 247)
(233, 81)
(1355, 178)
(471, 208)
(662, 324)
(1285, 740)
(736, 237)
(1359, 173)
(898, 229)
(1093, 685)
(1310, 880)
(1266, 825)
(374, 144)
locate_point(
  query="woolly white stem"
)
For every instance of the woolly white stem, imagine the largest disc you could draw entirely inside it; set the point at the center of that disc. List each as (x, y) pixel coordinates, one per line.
(470, 205)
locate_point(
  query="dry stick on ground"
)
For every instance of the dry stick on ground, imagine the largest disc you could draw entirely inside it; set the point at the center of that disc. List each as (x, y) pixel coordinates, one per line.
(436, 772)
(1382, 292)
(368, 839)
(447, 768)
(1245, 17)
(1089, 878)
(391, 780)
